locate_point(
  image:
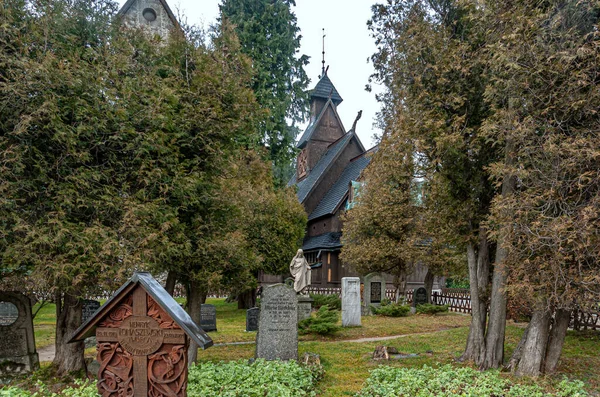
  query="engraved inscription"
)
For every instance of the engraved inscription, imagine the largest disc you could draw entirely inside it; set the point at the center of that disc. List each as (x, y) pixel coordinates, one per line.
(13, 343)
(140, 336)
(280, 312)
(376, 292)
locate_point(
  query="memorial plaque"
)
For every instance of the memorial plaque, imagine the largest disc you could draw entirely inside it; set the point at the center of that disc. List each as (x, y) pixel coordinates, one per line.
(17, 343)
(252, 319)
(351, 302)
(420, 296)
(278, 324)
(208, 317)
(375, 292)
(141, 341)
(88, 309)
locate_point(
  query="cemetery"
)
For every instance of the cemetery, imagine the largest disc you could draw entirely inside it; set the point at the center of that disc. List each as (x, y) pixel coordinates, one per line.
(190, 207)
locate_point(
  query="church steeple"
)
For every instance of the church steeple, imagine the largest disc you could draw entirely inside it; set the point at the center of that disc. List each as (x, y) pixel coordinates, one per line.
(154, 15)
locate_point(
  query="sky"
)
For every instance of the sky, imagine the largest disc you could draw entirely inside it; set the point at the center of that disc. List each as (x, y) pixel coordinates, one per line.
(348, 45)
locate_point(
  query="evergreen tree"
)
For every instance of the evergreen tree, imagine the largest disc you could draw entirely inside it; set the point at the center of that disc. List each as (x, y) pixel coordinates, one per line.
(269, 36)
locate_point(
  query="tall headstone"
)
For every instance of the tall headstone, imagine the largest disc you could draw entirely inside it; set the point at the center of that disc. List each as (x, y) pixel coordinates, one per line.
(278, 324)
(208, 317)
(374, 291)
(143, 337)
(17, 343)
(252, 319)
(350, 302)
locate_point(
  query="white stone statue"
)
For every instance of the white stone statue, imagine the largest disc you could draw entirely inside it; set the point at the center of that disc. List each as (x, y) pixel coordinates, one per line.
(300, 270)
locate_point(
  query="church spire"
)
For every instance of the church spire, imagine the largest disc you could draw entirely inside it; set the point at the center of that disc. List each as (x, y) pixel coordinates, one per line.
(323, 71)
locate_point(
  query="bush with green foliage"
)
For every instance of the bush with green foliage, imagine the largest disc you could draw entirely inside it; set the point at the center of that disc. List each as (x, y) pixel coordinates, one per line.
(233, 379)
(323, 322)
(391, 309)
(449, 381)
(333, 301)
(428, 308)
(258, 379)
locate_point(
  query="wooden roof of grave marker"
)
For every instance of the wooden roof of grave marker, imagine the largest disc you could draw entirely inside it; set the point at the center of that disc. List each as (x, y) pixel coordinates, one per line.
(141, 341)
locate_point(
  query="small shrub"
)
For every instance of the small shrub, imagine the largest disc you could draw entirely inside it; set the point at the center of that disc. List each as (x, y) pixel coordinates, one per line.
(428, 308)
(324, 322)
(333, 301)
(389, 309)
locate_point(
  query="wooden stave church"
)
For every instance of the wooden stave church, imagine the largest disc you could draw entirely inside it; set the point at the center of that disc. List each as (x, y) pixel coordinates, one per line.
(330, 160)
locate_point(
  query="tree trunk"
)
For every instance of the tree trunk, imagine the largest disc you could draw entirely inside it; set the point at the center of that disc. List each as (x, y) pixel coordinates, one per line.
(494, 342)
(400, 284)
(196, 297)
(428, 284)
(171, 281)
(69, 356)
(478, 282)
(247, 299)
(562, 317)
(534, 350)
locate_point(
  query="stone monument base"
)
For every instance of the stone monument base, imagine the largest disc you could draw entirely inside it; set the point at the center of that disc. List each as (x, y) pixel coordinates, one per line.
(19, 365)
(304, 307)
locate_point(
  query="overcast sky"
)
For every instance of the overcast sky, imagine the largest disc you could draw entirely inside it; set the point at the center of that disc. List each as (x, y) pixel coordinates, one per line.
(348, 44)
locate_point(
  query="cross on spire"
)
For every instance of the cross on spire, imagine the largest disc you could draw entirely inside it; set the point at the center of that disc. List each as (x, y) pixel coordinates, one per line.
(323, 71)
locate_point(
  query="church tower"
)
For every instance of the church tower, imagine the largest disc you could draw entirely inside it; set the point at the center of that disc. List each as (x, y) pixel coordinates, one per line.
(154, 15)
(325, 126)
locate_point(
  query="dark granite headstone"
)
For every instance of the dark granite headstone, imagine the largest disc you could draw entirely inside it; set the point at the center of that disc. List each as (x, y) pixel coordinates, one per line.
(208, 317)
(277, 336)
(89, 307)
(17, 343)
(252, 316)
(143, 337)
(420, 296)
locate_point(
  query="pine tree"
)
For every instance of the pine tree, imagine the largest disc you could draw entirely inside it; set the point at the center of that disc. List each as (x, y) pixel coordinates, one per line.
(269, 36)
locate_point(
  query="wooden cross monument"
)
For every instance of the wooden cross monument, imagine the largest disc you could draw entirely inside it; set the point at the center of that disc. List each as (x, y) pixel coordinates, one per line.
(141, 341)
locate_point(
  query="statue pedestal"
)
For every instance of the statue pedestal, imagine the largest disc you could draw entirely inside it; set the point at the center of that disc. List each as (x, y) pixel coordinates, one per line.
(304, 307)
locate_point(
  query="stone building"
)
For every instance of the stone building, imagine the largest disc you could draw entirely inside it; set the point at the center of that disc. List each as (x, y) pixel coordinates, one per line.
(154, 15)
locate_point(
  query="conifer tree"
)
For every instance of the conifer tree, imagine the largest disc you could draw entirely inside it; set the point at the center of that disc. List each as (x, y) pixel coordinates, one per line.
(269, 35)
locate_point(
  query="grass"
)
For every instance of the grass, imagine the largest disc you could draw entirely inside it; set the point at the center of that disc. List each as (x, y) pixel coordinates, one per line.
(44, 325)
(347, 364)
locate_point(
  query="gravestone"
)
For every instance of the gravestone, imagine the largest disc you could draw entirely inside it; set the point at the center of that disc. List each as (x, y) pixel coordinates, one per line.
(304, 307)
(351, 302)
(374, 291)
(208, 317)
(420, 297)
(252, 319)
(17, 343)
(143, 338)
(88, 309)
(277, 336)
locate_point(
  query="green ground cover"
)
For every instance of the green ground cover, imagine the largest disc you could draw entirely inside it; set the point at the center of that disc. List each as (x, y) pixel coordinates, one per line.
(347, 364)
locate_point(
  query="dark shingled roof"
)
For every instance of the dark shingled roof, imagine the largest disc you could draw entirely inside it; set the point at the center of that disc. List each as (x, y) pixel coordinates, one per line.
(323, 241)
(338, 191)
(306, 185)
(324, 88)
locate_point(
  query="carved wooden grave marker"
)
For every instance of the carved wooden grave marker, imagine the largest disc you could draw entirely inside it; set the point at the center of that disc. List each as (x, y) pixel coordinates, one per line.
(17, 343)
(141, 341)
